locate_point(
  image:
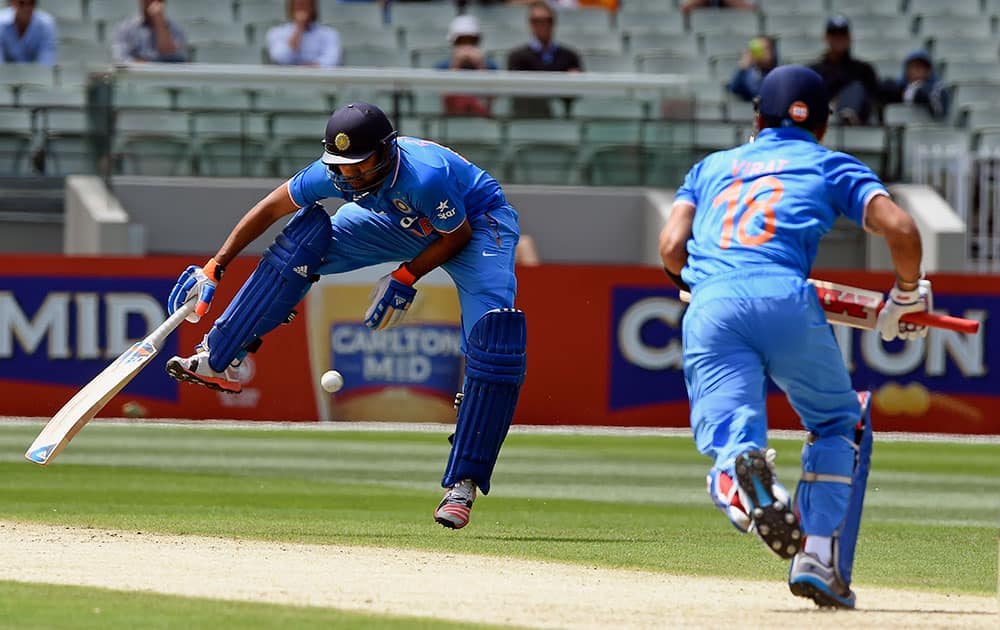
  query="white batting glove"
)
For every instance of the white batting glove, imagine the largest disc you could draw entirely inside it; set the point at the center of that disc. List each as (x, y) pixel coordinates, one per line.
(900, 302)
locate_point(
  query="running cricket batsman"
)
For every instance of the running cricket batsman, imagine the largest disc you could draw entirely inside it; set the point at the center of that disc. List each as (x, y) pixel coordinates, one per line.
(412, 201)
(742, 236)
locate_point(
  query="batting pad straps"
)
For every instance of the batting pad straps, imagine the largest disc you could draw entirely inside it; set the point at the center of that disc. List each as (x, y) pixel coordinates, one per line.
(494, 371)
(811, 477)
(280, 281)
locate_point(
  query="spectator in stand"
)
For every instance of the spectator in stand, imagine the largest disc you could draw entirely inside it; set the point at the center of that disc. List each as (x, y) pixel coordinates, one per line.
(919, 86)
(302, 41)
(687, 6)
(852, 83)
(151, 36)
(464, 36)
(541, 54)
(27, 35)
(760, 57)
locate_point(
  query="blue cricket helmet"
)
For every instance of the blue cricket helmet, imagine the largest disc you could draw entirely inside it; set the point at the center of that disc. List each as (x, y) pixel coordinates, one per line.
(354, 133)
(794, 96)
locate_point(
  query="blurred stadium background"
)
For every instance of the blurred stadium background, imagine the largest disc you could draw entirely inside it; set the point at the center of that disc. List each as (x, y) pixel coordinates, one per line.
(82, 117)
(160, 160)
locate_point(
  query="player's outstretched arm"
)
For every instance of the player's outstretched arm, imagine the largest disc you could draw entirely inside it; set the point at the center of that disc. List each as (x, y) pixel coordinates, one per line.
(200, 282)
(896, 226)
(394, 292)
(911, 293)
(441, 250)
(255, 222)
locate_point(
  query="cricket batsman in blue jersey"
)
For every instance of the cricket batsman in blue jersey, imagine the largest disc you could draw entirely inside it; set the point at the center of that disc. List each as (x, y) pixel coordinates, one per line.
(410, 201)
(742, 237)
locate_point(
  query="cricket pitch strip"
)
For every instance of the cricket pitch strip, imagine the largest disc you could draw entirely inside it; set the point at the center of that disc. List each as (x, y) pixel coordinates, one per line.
(406, 582)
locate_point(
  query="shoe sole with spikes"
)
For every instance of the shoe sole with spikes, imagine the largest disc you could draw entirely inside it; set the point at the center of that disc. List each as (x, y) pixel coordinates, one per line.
(774, 521)
(177, 371)
(820, 596)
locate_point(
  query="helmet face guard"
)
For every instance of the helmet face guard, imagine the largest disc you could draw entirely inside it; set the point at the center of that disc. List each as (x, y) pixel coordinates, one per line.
(355, 133)
(381, 170)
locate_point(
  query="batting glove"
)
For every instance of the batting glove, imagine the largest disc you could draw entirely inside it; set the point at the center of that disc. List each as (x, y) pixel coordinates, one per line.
(196, 283)
(900, 302)
(391, 298)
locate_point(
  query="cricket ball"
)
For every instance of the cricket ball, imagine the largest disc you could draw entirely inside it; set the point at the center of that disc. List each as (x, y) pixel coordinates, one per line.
(332, 381)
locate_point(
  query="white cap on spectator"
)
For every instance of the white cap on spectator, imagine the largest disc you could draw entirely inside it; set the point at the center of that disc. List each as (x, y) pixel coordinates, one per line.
(462, 26)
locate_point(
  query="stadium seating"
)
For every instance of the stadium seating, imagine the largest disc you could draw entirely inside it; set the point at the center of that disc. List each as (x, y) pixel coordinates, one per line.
(67, 139)
(16, 135)
(646, 36)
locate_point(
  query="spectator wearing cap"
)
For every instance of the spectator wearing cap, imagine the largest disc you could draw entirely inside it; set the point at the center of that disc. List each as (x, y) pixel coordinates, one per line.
(852, 83)
(918, 85)
(150, 36)
(760, 57)
(464, 35)
(302, 41)
(27, 34)
(541, 54)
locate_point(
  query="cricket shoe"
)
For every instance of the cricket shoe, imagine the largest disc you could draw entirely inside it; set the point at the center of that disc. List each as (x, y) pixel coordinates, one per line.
(810, 578)
(456, 506)
(195, 369)
(770, 504)
(726, 495)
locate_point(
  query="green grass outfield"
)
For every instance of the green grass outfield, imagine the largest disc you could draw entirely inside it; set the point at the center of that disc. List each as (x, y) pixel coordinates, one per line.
(931, 513)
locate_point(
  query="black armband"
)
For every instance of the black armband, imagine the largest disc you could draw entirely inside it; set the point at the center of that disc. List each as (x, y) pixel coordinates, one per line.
(677, 280)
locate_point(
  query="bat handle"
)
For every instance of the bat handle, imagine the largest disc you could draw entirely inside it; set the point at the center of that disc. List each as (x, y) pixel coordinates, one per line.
(958, 324)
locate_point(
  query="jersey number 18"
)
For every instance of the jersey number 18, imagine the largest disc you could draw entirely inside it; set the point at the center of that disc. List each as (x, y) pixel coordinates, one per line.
(750, 208)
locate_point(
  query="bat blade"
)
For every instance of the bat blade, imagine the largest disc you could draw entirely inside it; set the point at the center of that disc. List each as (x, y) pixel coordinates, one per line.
(851, 306)
(847, 305)
(859, 308)
(87, 402)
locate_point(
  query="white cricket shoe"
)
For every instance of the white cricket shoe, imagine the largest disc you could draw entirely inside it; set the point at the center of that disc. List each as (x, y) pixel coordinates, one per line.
(810, 578)
(456, 506)
(195, 369)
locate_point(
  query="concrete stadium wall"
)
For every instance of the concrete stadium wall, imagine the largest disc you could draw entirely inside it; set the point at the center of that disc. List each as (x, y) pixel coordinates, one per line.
(571, 224)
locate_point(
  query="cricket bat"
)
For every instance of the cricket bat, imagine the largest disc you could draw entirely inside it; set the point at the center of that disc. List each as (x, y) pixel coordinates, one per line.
(94, 395)
(859, 308)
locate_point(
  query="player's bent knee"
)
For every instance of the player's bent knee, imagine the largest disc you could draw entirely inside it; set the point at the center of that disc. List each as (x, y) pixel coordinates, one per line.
(494, 370)
(284, 275)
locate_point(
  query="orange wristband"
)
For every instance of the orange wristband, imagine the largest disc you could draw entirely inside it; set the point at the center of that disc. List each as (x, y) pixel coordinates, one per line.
(213, 269)
(404, 275)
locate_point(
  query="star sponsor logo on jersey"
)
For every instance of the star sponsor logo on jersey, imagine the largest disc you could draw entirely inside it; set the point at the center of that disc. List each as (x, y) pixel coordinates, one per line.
(444, 211)
(402, 206)
(798, 111)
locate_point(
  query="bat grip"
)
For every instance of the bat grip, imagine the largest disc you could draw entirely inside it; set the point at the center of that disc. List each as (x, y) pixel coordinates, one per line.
(958, 324)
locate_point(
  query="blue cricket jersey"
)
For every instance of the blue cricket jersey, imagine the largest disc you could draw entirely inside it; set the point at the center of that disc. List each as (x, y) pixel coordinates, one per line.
(768, 203)
(431, 187)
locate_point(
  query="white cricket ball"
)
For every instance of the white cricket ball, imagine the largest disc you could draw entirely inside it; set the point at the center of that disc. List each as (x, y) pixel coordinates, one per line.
(332, 381)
